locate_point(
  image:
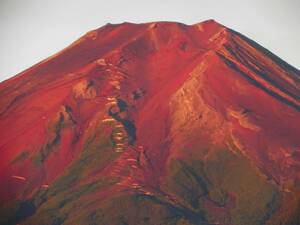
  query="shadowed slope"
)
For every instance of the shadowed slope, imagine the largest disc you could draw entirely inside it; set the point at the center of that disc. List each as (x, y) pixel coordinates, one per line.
(156, 123)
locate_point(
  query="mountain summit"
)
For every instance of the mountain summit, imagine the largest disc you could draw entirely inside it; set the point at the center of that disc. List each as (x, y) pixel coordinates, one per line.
(152, 124)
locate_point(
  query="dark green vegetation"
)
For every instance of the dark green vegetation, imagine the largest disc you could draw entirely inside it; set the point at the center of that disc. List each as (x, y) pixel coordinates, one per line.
(15, 211)
(53, 205)
(131, 210)
(288, 214)
(64, 195)
(227, 180)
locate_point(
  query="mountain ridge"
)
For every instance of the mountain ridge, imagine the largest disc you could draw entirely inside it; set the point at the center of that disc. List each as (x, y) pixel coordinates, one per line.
(178, 124)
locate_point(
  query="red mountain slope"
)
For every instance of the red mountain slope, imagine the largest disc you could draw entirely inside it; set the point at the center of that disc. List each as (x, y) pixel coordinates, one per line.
(157, 123)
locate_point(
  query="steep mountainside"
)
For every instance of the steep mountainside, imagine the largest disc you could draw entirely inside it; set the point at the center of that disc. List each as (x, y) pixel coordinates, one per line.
(157, 123)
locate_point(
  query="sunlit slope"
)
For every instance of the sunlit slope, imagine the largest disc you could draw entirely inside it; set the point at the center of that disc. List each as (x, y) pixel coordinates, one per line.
(157, 123)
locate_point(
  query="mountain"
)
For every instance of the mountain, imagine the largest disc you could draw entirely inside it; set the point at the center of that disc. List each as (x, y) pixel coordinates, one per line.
(152, 124)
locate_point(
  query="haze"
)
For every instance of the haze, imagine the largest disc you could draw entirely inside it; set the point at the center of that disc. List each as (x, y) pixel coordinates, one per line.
(33, 30)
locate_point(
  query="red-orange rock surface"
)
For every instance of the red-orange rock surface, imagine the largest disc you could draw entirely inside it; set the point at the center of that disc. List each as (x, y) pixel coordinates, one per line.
(158, 123)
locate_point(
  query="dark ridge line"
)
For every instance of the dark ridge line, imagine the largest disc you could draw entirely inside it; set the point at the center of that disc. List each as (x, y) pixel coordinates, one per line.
(188, 170)
(195, 218)
(257, 84)
(47, 149)
(12, 102)
(265, 76)
(25, 210)
(272, 207)
(128, 124)
(69, 111)
(122, 105)
(296, 79)
(283, 64)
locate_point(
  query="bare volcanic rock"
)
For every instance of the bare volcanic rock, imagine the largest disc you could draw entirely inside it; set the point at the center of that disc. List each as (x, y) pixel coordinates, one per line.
(152, 124)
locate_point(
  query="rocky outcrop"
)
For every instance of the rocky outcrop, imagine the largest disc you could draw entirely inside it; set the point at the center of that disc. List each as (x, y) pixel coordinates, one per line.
(156, 123)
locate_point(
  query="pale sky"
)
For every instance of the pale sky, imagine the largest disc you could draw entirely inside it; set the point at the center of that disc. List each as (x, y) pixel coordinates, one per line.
(32, 30)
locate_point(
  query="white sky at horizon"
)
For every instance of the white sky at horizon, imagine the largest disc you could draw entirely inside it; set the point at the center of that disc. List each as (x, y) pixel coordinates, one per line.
(32, 30)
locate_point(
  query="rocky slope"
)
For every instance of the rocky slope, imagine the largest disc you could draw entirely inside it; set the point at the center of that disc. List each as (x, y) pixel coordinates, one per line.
(157, 123)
